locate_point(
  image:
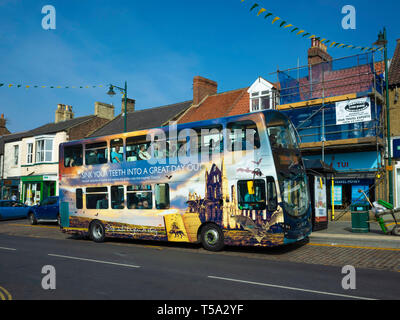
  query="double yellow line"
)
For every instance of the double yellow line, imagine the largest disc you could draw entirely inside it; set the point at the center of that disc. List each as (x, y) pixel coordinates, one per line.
(4, 294)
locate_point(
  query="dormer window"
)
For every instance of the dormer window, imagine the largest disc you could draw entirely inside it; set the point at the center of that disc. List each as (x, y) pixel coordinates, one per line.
(262, 95)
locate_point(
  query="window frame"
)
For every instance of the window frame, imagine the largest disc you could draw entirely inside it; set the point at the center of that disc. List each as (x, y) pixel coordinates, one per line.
(16, 155)
(91, 192)
(242, 204)
(29, 153)
(41, 151)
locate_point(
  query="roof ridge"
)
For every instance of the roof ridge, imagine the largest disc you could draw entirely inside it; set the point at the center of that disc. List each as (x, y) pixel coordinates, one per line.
(159, 107)
(226, 92)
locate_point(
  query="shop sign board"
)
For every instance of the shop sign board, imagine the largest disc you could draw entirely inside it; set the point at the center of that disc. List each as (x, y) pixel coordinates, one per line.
(353, 111)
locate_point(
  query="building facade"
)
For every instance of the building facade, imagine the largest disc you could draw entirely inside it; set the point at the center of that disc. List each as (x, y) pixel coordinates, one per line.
(30, 159)
(394, 103)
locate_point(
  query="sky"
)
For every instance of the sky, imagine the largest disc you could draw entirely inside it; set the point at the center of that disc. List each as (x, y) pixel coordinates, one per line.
(159, 46)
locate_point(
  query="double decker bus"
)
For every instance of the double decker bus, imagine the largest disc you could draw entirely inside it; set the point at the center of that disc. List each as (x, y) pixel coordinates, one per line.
(229, 181)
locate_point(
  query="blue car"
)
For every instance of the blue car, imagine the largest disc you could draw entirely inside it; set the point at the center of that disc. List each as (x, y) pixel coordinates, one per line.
(10, 209)
(46, 211)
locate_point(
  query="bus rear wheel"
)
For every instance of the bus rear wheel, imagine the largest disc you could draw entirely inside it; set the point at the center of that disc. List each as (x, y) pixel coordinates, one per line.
(97, 231)
(212, 237)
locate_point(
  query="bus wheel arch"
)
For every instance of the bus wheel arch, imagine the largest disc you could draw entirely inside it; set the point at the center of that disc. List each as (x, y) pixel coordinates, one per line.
(210, 235)
(97, 231)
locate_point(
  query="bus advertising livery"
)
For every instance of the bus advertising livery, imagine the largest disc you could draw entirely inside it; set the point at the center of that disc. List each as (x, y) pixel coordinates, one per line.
(228, 181)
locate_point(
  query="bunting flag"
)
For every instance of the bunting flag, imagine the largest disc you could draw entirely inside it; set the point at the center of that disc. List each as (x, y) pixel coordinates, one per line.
(51, 87)
(304, 34)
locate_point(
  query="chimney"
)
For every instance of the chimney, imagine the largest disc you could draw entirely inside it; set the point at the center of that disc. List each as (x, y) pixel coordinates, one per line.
(3, 129)
(130, 105)
(60, 113)
(68, 114)
(202, 88)
(104, 110)
(318, 52)
(63, 112)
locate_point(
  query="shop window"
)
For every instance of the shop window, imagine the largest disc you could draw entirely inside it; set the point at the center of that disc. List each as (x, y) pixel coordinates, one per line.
(243, 135)
(162, 196)
(251, 195)
(117, 197)
(140, 197)
(116, 150)
(96, 153)
(73, 156)
(97, 198)
(137, 149)
(79, 198)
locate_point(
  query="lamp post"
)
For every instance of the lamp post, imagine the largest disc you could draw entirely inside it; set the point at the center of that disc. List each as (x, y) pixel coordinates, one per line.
(111, 93)
(382, 42)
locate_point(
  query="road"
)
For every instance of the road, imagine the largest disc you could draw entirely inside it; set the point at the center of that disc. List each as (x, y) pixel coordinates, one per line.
(164, 271)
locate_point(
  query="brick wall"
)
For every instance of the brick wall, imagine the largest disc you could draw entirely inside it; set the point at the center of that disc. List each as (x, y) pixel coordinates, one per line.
(203, 87)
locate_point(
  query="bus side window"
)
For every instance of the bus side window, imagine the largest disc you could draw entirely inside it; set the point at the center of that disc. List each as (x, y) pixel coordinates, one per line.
(162, 196)
(243, 135)
(139, 197)
(79, 199)
(116, 150)
(210, 140)
(117, 197)
(137, 149)
(73, 156)
(272, 200)
(251, 194)
(97, 198)
(96, 153)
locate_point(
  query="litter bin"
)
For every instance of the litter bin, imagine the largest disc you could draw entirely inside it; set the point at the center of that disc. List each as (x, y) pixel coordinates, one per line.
(359, 218)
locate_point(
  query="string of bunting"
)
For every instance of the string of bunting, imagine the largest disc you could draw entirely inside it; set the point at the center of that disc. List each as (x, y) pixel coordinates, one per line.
(302, 32)
(10, 85)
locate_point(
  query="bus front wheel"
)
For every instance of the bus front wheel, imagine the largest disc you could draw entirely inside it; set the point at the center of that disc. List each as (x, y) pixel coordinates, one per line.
(97, 231)
(212, 237)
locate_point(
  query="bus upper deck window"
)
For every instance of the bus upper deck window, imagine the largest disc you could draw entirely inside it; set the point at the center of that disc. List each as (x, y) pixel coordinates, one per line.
(243, 135)
(96, 153)
(116, 150)
(137, 148)
(73, 156)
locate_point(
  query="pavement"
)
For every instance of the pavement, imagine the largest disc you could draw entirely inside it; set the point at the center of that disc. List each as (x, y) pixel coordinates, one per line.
(340, 233)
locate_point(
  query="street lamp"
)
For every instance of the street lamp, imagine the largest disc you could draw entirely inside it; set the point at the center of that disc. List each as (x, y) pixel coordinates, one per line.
(111, 93)
(382, 42)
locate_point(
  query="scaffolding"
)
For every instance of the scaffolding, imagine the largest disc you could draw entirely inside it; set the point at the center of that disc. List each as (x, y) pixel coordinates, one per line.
(309, 96)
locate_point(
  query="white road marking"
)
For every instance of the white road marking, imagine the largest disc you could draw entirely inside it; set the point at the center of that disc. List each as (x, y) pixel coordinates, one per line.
(96, 261)
(11, 249)
(291, 288)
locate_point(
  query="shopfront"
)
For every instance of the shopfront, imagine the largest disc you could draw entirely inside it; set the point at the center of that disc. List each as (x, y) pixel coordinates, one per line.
(38, 188)
(9, 188)
(355, 171)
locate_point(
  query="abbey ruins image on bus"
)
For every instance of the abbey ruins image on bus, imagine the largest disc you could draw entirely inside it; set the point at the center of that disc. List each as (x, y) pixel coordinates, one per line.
(227, 181)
